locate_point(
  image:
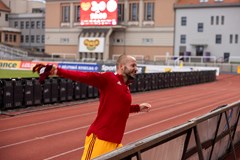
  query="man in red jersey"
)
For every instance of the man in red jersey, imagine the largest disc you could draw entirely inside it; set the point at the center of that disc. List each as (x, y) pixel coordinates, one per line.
(106, 132)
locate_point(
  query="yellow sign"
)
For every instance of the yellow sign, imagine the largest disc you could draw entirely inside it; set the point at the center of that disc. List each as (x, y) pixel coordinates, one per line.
(167, 69)
(9, 64)
(238, 70)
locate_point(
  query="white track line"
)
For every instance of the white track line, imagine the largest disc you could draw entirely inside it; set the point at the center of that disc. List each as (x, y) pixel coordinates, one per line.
(43, 137)
(141, 128)
(45, 122)
(83, 127)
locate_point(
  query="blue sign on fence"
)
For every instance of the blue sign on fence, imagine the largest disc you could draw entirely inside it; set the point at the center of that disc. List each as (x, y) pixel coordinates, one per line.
(80, 67)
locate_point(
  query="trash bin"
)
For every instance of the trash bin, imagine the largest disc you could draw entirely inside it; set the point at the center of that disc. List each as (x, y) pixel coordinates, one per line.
(47, 91)
(95, 92)
(62, 89)
(90, 91)
(54, 90)
(69, 90)
(37, 92)
(84, 90)
(1, 95)
(17, 93)
(154, 81)
(7, 98)
(140, 82)
(28, 92)
(147, 82)
(166, 79)
(77, 90)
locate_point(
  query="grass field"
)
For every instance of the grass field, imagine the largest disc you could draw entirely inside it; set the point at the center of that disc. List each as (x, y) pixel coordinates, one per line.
(17, 74)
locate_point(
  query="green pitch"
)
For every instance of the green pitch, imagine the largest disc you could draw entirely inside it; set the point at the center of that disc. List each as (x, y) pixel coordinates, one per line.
(17, 74)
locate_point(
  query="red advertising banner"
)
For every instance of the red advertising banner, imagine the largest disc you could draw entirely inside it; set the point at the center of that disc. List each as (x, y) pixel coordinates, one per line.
(28, 65)
(98, 12)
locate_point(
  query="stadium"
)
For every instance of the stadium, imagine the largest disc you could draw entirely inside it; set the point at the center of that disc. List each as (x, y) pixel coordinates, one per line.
(187, 68)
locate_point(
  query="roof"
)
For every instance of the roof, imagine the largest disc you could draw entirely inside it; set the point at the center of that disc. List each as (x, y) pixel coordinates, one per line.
(3, 7)
(208, 2)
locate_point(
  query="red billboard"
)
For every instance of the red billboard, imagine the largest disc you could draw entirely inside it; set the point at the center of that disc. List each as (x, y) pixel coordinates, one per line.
(98, 12)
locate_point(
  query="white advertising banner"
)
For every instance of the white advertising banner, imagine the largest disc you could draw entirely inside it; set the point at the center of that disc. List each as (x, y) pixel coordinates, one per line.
(91, 44)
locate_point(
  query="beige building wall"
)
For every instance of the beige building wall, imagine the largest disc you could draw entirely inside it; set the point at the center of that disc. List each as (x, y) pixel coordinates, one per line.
(3, 22)
(138, 38)
(23, 6)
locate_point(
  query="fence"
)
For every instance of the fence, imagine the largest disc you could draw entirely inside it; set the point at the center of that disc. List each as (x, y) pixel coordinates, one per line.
(16, 93)
(211, 136)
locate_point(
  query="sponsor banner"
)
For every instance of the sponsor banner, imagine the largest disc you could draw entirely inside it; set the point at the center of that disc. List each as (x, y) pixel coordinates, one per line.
(112, 68)
(28, 65)
(9, 64)
(98, 12)
(91, 44)
(80, 67)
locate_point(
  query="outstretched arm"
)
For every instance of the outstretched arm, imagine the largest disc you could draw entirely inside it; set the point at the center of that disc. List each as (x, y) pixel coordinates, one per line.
(143, 107)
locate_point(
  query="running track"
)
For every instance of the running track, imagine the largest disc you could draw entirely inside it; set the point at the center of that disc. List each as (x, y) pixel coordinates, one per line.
(59, 133)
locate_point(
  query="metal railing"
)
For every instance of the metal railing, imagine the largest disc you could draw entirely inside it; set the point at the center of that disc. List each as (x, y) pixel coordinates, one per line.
(211, 136)
(12, 52)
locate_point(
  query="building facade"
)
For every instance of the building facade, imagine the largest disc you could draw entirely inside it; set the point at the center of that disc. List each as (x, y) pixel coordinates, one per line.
(8, 36)
(32, 26)
(28, 17)
(207, 28)
(145, 29)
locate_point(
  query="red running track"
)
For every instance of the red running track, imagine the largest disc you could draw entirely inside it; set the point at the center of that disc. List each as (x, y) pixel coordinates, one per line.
(59, 133)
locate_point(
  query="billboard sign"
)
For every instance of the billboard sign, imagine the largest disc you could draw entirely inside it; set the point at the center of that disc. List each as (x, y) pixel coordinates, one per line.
(80, 67)
(91, 44)
(98, 12)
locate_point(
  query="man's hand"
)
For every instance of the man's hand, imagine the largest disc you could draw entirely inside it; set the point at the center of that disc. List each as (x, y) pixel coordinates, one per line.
(145, 107)
(44, 71)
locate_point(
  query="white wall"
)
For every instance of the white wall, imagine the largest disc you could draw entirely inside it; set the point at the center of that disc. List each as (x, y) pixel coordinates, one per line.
(196, 15)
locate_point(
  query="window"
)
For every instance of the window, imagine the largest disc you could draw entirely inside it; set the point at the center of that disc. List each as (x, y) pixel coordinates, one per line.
(133, 10)
(16, 24)
(6, 17)
(43, 24)
(218, 39)
(10, 38)
(43, 39)
(147, 40)
(203, 1)
(22, 39)
(32, 38)
(32, 24)
(183, 21)
(38, 24)
(120, 12)
(77, 13)
(27, 25)
(27, 39)
(65, 13)
(236, 38)
(231, 39)
(38, 39)
(200, 27)
(38, 10)
(183, 39)
(14, 38)
(6, 37)
(148, 11)
(212, 20)
(217, 20)
(22, 25)
(222, 20)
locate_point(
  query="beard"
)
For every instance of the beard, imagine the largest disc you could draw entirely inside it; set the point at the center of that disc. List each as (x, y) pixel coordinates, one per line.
(130, 75)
